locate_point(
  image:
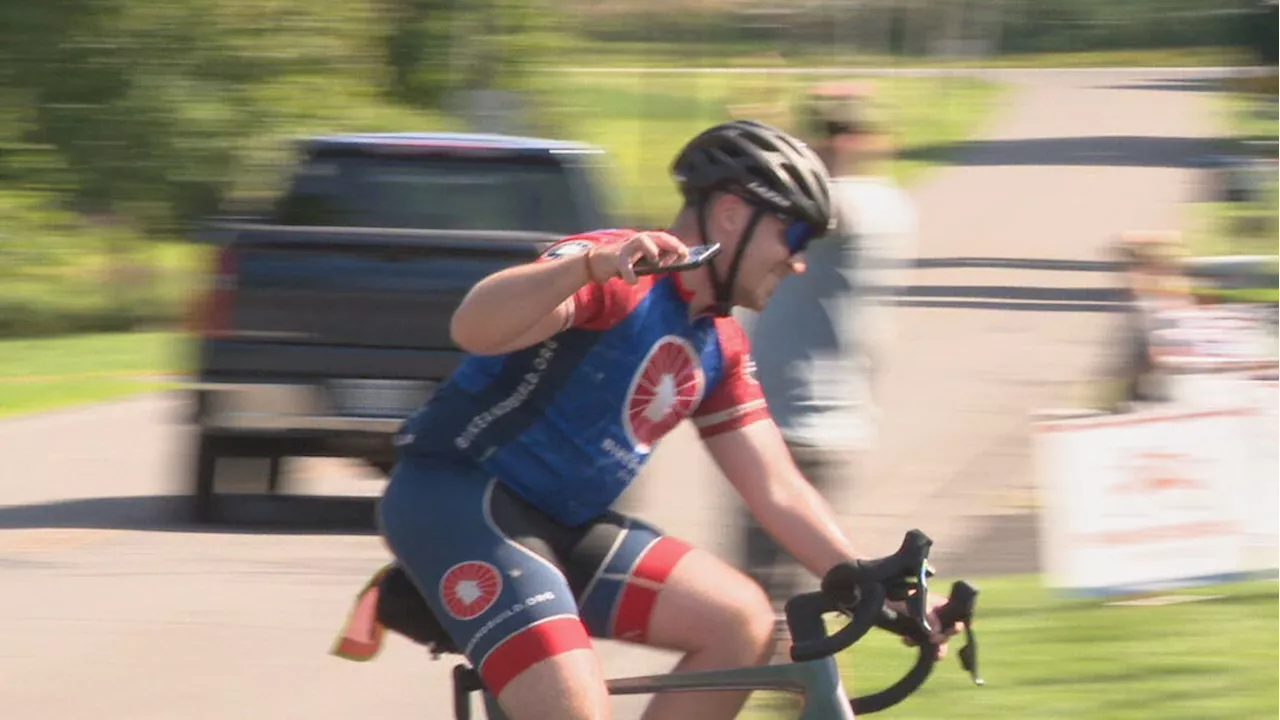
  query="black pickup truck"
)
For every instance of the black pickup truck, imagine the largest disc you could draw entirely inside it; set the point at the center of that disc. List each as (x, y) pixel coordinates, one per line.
(327, 319)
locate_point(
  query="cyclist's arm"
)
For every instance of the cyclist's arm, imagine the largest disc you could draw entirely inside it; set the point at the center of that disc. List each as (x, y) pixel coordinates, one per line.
(519, 306)
(575, 283)
(755, 460)
(736, 427)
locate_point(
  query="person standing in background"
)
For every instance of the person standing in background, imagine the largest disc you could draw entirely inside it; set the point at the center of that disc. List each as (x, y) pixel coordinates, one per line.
(820, 344)
(1156, 291)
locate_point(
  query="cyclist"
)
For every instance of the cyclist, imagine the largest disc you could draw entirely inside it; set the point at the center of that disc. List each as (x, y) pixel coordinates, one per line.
(499, 508)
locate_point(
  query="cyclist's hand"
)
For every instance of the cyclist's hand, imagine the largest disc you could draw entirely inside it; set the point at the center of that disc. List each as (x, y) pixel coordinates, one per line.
(940, 634)
(611, 260)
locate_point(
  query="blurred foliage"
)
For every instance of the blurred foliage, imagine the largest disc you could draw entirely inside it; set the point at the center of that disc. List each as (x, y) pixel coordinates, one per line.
(150, 110)
(123, 122)
(936, 27)
(64, 272)
(434, 47)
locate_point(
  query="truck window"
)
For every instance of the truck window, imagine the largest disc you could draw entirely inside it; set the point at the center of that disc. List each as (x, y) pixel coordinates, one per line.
(430, 192)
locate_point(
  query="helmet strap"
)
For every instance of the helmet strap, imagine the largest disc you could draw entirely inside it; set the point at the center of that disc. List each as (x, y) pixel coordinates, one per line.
(723, 305)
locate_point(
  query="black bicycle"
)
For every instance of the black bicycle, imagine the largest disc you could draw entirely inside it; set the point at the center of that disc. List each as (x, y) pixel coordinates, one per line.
(856, 590)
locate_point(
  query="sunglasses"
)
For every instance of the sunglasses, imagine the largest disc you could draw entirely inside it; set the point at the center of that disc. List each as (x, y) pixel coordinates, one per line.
(798, 234)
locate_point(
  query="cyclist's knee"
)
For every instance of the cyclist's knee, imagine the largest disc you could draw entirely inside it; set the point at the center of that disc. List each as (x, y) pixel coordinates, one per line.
(750, 614)
(741, 625)
(756, 619)
(567, 685)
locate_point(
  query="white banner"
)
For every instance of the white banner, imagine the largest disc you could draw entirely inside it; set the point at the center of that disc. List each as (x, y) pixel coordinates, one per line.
(1262, 439)
(1153, 498)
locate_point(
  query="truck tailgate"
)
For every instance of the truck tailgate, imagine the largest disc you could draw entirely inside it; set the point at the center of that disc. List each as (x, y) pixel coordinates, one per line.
(361, 289)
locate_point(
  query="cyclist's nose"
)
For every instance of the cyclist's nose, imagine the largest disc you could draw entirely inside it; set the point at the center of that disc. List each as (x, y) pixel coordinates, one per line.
(797, 264)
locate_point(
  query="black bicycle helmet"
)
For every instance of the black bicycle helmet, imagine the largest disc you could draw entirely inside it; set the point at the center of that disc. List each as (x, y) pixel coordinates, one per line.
(762, 162)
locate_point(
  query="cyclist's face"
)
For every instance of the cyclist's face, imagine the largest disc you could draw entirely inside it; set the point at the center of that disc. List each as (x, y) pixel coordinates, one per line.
(769, 259)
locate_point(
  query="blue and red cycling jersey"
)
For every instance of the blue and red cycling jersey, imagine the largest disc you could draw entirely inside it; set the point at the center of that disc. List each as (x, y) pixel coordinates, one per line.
(567, 423)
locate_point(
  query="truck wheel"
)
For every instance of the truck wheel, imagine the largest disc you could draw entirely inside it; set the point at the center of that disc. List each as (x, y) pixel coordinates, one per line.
(273, 474)
(220, 469)
(206, 469)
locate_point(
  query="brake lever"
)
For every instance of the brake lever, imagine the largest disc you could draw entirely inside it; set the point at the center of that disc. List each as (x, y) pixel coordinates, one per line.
(959, 608)
(906, 571)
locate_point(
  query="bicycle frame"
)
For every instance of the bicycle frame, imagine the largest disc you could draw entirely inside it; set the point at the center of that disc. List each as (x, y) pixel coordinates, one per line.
(817, 681)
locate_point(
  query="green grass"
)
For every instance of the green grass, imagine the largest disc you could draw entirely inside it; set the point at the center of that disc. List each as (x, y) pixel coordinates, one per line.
(1221, 228)
(1240, 295)
(49, 373)
(1045, 657)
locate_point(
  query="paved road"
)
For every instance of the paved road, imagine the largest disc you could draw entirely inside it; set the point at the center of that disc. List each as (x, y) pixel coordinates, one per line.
(113, 609)
(1069, 164)
(1003, 74)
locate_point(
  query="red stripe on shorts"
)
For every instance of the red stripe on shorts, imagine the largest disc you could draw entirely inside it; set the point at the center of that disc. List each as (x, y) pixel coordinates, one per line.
(531, 645)
(636, 604)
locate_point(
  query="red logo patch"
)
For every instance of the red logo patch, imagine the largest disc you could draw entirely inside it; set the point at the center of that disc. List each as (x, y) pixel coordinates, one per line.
(469, 588)
(665, 390)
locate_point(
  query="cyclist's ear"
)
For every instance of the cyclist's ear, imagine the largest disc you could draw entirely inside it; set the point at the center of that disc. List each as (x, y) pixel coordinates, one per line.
(728, 214)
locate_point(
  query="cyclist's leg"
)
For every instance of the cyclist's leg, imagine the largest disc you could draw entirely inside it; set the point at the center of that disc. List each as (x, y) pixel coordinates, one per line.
(511, 611)
(720, 619)
(659, 591)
